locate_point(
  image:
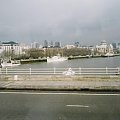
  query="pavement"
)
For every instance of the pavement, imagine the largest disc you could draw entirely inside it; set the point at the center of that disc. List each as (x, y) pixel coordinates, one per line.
(60, 83)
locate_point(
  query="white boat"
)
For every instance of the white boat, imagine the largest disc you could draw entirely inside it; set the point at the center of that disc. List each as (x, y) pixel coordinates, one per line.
(57, 58)
(10, 63)
(109, 55)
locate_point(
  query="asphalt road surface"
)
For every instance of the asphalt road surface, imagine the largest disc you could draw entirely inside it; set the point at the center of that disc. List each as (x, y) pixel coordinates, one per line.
(59, 106)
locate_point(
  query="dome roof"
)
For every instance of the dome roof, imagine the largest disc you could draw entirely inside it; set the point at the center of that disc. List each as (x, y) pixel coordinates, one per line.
(103, 42)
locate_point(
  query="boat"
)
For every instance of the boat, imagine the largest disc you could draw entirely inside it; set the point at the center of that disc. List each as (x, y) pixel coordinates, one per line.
(9, 63)
(57, 58)
(108, 55)
(88, 56)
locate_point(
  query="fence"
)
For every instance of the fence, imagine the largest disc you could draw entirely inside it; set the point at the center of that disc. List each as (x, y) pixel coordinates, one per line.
(61, 71)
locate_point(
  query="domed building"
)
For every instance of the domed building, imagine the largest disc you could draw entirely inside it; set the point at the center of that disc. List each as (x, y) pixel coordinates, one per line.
(104, 48)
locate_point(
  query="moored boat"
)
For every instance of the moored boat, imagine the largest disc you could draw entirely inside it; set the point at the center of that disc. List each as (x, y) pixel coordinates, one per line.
(108, 55)
(9, 63)
(57, 58)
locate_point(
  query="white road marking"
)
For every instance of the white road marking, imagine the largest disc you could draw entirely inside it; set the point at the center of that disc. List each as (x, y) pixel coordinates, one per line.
(45, 93)
(82, 106)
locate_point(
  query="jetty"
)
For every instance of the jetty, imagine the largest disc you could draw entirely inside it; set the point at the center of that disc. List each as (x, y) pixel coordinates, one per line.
(25, 61)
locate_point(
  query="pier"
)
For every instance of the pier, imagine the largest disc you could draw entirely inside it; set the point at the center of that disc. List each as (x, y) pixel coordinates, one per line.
(26, 61)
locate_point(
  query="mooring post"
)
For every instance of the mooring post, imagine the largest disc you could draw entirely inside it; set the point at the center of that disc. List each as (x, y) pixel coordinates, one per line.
(15, 77)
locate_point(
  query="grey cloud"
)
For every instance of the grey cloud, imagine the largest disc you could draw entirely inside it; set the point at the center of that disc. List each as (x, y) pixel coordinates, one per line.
(86, 21)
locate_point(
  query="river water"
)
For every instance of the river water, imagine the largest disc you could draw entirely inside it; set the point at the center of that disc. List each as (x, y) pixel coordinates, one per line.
(110, 62)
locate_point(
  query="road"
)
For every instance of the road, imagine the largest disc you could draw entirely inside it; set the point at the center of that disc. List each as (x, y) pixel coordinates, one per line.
(59, 106)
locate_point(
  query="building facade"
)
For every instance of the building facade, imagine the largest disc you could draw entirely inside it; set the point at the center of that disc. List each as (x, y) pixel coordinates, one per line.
(35, 45)
(70, 46)
(57, 45)
(11, 47)
(104, 48)
(45, 44)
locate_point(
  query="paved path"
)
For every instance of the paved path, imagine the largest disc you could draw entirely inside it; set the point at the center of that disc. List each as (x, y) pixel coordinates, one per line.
(59, 84)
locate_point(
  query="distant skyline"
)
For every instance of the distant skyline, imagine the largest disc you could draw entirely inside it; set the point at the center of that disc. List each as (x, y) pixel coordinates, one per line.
(66, 21)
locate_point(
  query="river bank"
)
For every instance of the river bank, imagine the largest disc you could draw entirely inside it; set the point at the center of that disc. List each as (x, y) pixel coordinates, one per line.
(108, 83)
(89, 56)
(26, 61)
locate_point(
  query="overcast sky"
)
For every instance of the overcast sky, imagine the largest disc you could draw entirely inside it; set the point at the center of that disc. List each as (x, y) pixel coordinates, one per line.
(67, 21)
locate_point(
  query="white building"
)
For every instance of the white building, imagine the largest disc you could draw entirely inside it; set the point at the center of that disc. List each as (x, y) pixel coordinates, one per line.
(118, 46)
(70, 46)
(1, 50)
(104, 48)
(24, 46)
(11, 47)
(35, 45)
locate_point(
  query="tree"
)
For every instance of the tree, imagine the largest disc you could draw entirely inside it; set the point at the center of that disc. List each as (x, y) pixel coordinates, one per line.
(76, 52)
(8, 54)
(35, 53)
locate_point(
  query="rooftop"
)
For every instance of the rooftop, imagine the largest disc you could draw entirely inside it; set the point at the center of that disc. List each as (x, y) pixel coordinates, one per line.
(11, 42)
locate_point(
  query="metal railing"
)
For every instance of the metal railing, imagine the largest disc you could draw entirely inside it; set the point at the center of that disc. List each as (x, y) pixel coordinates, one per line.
(61, 71)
